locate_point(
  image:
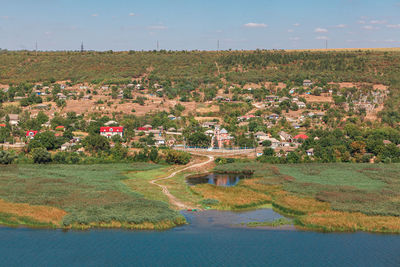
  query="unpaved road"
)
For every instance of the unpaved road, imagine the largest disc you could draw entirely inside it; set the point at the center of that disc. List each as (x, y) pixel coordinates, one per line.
(174, 201)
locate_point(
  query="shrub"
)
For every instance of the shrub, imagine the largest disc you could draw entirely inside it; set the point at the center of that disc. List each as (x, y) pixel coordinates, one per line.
(41, 155)
(6, 157)
(177, 157)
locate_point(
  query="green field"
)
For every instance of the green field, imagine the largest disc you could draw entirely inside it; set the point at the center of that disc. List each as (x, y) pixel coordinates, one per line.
(88, 193)
(360, 176)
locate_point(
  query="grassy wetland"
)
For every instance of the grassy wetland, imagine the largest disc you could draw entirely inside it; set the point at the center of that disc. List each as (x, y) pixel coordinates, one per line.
(80, 196)
(321, 197)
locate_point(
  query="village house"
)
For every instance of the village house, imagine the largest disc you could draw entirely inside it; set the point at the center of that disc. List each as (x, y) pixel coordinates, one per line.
(310, 152)
(209, 124)
(109, 123)
(274, 142)
(171, 117)
(386, 142)
(300, 137)
(295, 125)
(222, 98)
(307, 83)
(301, 104)
(246, 117)
(271, 98)
(285, 136)
(67, 146)
(111, 131)
(42, 106)
(160, 141)
(283, 99)
(14, 119)
(273, 116)
(31, 134)
(261, 136)
(61, 96)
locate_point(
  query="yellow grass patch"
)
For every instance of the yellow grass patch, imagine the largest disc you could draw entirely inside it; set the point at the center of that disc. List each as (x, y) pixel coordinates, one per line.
(351, 221)
(212, 108)
(38, 213)
(299, 204)
(257, 185)
(232, 197)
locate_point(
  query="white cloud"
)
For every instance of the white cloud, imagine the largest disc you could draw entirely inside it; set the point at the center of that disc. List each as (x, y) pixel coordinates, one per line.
(132, 14)
(255, 25)
(290, 30)
(389, 41)
(393, 26)
(4, 17)
(378, 22)
(296, 24)
(158, 27)
(341, 26)
(361, 22)
(320, 30)
(322, 38)
(294, 38)
(95, 15)
(370, 27)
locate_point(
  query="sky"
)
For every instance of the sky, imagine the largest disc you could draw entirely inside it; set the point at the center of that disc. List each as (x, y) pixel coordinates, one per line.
(198, 24)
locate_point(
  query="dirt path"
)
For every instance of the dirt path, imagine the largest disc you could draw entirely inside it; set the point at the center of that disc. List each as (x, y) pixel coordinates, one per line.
(175, 201)
(216, 64)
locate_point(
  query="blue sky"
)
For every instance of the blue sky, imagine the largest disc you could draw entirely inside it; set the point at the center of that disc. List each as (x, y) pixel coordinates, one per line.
(189, 24)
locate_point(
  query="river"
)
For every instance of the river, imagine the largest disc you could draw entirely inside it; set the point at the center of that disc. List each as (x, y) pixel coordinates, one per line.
(211, 239)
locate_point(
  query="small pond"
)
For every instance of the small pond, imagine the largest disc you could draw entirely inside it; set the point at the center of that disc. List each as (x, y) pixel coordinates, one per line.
(217, 179)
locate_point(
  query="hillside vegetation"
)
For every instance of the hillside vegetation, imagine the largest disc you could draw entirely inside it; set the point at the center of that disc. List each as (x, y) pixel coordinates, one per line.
(200, 67)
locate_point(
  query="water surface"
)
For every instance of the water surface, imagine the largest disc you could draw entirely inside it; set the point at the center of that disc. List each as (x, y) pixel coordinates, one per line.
(216, 179)
(207, 241)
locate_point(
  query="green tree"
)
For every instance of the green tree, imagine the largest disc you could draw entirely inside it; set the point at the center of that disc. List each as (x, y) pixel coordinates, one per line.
(96, 143)
(177, 157)
(199, 139)
(41, 155)
(6, 157)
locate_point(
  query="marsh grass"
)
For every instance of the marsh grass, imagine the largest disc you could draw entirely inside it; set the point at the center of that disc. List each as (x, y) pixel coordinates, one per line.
(88, 193)
(13, 220)
(275, 223)
(328, 197)
(235, 197)
(330, 221)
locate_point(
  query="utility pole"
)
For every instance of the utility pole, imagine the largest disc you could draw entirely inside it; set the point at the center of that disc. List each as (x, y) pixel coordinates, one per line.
(218, 45)
(326, 44)
(36, 48)
(82, 47)
(158, 45)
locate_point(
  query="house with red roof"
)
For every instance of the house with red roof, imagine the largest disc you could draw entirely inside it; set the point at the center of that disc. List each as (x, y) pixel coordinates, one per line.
(31, 134)
(301, 136)
(111, 131)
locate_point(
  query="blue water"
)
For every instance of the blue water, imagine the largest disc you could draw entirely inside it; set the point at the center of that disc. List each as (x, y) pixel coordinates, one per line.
(216, 179)
(211, 240)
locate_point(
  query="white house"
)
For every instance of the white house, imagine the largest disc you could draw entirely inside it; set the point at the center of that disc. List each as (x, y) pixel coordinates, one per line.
(111, 131)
